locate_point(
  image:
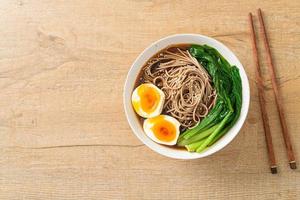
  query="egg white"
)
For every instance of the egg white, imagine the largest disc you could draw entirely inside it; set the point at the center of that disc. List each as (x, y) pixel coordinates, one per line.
(136, 98)
(148, 125)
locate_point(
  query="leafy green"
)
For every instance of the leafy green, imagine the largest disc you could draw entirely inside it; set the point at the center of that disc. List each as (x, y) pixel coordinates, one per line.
(227, 82)
(197, 137)
(194, 146)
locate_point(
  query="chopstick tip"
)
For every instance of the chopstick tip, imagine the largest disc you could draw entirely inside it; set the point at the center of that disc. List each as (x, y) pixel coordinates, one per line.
(293, 165)
(259, 11)
(274, 169)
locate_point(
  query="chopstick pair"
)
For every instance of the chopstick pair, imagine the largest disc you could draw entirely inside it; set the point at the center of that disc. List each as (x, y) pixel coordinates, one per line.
(261, 95)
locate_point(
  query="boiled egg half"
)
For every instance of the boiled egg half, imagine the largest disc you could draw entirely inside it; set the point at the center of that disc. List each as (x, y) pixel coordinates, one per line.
(162, 129)
(148, 100)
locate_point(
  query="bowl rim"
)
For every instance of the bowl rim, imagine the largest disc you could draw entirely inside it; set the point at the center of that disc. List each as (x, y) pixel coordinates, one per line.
(172, 152)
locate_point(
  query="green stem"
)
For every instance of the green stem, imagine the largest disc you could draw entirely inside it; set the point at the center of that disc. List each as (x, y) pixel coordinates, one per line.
(194, 146)
(213, 135)
(195, 138)
(181, 136)
(219, 136)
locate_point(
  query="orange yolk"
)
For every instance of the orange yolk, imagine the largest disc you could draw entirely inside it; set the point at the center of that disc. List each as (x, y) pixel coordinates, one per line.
(163, 130)
(149, 99)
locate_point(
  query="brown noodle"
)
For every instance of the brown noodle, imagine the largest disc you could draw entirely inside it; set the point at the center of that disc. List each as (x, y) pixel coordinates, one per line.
(186, 84)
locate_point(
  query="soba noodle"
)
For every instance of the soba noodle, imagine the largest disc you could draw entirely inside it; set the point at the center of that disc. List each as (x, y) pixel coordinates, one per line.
(186, 84)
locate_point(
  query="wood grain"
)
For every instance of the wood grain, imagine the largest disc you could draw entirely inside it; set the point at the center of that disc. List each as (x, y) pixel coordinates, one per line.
(63, 132)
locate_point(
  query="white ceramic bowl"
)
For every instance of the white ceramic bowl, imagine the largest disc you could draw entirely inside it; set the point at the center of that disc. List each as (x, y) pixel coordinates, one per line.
(133, 120)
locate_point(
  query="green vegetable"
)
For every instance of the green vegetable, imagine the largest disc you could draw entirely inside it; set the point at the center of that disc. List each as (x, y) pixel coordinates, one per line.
(227, 82)
(197, 137)
(194, 146)
(215, 133)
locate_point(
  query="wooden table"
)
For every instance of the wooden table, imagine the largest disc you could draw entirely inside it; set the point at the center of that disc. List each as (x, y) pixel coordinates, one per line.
(63, 132)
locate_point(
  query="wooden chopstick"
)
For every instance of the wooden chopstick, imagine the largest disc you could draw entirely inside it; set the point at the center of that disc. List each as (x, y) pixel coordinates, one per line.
(285, 132)
(262, 102)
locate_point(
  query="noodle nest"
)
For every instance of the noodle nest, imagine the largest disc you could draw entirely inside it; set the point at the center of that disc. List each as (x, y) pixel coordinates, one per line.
(185, 82)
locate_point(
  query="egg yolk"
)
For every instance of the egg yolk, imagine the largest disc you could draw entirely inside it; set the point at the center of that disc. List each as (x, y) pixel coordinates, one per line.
(149, 99)
(163, 129)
